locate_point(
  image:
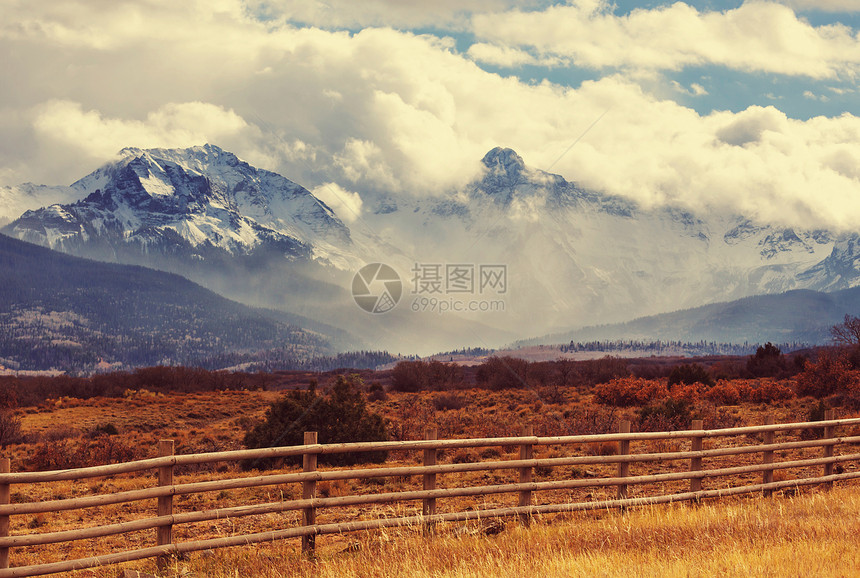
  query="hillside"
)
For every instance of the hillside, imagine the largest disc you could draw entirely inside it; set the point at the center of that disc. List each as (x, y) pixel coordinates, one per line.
(68, 313)
(801, 316)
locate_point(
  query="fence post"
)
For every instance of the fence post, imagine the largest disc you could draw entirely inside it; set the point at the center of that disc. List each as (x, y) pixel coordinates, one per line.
(829, 432)
(623, 467)
(696, 463)
(428, 506)
(526, 474)
(164, 534)
(5, 498)
(767, 455)
(309, 488)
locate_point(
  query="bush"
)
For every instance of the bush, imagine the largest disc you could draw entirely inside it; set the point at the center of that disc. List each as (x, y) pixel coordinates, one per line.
(409, 376)
(815, 413)
(690, 374)
(830, 373)
(448, 401)
(10, 428)
(65, 454)
(420, 375)
(594, 371)
(672, 414)
(106, 429)
(629, 391)
(342, 416)
(503, 373)
(10, 425)
(755, 391)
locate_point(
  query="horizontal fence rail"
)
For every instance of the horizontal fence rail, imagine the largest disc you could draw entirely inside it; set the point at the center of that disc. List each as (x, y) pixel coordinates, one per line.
(523, 466)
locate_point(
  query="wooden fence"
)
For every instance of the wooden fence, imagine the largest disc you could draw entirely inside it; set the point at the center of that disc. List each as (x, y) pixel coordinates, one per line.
(525, 464)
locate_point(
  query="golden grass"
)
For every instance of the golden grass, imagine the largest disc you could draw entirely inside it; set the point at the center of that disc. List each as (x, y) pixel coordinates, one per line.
(814, 534)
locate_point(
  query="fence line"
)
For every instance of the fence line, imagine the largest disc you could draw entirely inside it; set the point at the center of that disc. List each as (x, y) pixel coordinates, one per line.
(525, 488)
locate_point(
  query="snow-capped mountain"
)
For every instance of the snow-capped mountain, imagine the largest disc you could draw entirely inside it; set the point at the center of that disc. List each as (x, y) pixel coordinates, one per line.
(571, 257)
(577, 257)
(16, 200)
(193, 203)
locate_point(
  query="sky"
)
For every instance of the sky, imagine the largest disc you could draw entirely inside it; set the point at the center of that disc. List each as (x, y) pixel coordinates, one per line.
(751, 106)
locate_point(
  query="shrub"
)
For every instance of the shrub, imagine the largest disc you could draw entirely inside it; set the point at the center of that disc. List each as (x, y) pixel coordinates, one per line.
(106, 429)
(10, 428)
(423, 375)
(672, 414)
(503, 373)
(448, 401)
(830, 373)
(65, 454)
(10, 425)
(755, 391)
(689, 392)
(595, 371)
(724, 393)
(689, 374)
(629, 391)
(341, 416)
(815, 413)
(409, 376)
(769, 391)
(376, 393)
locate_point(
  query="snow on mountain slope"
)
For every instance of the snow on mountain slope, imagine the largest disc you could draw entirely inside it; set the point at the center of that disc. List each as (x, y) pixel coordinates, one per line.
(196, 201)
(16, 200)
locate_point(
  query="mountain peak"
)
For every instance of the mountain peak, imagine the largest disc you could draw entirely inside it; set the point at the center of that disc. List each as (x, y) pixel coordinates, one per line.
(505, 170)
(504, 161)
(197, 201)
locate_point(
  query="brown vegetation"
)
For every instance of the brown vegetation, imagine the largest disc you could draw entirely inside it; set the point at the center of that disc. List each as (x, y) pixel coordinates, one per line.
(70, 422)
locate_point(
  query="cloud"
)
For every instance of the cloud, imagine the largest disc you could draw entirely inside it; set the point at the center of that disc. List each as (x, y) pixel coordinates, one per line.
(394, 13)
(823, 5)
(809, 95)
(172, 125)
(755, 37)
(345, 204)
(503, 56)
(694, 90)
(384, 111)
(749, 125)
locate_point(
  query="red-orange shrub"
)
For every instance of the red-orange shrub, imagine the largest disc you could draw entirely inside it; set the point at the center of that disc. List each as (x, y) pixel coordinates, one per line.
(724, 393)
(830, 373)
(748, 390)
(769, 391)
(628, 391)
(689, 392)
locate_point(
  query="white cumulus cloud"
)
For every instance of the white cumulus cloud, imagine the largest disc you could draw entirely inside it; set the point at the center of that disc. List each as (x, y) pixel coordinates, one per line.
(345, 204)
(755, 37)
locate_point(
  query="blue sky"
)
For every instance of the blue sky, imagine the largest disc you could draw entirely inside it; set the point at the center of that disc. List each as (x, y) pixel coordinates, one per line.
(748, 105)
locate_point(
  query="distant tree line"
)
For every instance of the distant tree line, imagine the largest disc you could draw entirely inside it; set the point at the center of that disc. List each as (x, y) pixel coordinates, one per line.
(499, 373)
(287, 359)
(672, 346)
(28, 391)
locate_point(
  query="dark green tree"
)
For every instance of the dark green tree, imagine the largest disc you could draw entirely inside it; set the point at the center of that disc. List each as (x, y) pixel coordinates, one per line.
(339, 417)
(768, 361)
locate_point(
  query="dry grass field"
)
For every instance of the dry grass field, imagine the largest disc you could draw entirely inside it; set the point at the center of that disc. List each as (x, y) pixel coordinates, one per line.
(813, 534)
(792, 534)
